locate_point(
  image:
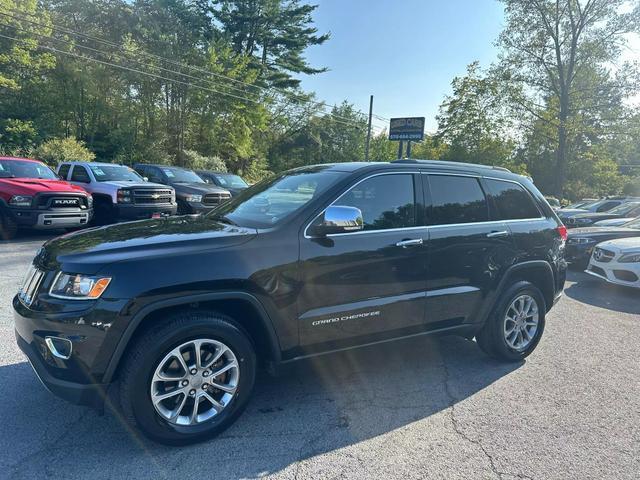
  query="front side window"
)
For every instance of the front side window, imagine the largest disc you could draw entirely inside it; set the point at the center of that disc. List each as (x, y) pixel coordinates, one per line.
(386, 201)
(25, 169)
(511, 200)
(456, 199)
(269, 202)
(79, 174)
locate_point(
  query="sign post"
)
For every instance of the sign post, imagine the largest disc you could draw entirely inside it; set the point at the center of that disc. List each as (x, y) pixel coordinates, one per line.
(409, 129)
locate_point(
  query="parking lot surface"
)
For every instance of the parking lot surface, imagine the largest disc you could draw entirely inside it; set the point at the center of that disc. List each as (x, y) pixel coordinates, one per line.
(425, 408)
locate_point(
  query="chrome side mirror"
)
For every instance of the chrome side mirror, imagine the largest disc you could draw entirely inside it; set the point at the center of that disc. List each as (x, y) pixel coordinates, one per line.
(337, 219)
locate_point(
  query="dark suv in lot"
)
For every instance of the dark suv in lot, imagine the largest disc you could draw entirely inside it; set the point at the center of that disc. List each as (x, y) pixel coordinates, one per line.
(179, 311)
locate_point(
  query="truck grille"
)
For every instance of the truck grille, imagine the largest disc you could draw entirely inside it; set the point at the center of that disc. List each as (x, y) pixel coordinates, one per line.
(150, 196)
(30, 285)
(61, 201)
(215, 198)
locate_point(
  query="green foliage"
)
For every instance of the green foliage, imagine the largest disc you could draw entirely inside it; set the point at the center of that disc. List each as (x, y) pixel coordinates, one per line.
(59, 150)
(631, 186)
(17, 137)
(195, 161)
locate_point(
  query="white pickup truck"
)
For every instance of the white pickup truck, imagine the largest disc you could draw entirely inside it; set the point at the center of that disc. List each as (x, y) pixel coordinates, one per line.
(119, 193)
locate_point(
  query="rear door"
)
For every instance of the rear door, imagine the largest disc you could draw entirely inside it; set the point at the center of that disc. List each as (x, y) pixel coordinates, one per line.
(80, 176)
(468, 250)
(366, 284)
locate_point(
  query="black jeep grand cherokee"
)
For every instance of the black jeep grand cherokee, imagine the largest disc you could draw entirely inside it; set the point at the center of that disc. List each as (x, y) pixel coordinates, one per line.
(178, 311)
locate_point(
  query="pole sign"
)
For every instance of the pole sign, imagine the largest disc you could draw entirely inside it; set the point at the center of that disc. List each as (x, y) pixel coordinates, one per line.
(411, 128)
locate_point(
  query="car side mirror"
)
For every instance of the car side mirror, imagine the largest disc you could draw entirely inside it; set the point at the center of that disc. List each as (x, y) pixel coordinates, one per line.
(337, 219)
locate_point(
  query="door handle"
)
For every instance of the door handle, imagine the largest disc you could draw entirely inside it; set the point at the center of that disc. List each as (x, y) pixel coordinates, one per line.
(502, 233)
(409, 243)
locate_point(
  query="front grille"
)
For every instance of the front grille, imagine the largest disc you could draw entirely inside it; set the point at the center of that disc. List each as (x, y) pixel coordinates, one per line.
(30, 284)
(602, 255)
(151, 196)
(215, 198)
(57, 201)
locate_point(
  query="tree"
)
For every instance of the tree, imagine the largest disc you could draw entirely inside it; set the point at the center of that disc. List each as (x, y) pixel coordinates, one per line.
(548, 46)
(273, 33)
(474, 122)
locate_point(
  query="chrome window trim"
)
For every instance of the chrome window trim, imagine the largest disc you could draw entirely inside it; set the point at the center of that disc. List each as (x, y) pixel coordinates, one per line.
(444, 225)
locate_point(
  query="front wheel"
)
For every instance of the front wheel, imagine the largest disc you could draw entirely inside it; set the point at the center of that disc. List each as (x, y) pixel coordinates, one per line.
(514, 328)
(188, 380)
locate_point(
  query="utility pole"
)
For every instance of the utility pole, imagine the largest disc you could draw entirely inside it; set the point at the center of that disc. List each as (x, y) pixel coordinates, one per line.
(366, 147)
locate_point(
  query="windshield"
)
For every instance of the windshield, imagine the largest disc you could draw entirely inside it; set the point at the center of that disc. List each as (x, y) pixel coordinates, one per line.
(178, 175)
(267, 203)
(229, 180)
(25, 169)
(624, 208)
(114, 173)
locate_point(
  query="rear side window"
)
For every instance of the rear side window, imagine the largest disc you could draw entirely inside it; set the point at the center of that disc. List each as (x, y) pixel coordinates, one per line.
(386, 201)
(456, 200)
(511, 200)
(64, 171)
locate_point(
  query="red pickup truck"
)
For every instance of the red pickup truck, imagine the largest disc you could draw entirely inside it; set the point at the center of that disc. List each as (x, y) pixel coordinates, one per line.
(31, 195)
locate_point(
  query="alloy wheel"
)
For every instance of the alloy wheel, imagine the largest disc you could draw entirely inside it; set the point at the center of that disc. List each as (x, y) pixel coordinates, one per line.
(194, 382)
(521, 322)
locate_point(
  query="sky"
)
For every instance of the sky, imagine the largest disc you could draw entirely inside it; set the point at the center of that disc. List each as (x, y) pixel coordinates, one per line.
(403, 52)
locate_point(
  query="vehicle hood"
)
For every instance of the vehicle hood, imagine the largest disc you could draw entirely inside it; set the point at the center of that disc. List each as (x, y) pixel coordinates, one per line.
(197, 188)
(31, 186)
(89, 250)
(624, 245)
(125, 184)
(613, 222)
(604, 233)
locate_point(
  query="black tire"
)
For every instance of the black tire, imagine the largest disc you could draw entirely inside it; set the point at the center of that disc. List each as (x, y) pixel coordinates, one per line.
(491, 338)
(8, 227)
(103, 213)
(148, 351)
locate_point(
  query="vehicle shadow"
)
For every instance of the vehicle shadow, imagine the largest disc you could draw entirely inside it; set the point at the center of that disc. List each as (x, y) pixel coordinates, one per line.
(317, 406)
(598, 293)
(29, 236)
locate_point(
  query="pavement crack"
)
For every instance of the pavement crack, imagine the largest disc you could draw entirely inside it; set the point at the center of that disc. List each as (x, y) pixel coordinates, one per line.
(451, 401)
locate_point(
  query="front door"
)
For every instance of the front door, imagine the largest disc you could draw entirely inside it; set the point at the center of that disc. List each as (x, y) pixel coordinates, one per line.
(363, 285)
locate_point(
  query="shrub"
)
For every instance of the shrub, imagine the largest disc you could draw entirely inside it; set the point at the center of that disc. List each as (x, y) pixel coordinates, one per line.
(59, 150)
(195, 161)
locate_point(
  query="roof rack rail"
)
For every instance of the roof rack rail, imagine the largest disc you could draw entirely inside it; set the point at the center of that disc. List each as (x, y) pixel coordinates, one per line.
(446, 162)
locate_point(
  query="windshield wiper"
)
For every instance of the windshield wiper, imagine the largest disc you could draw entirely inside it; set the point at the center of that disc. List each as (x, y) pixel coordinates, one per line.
(225, 219)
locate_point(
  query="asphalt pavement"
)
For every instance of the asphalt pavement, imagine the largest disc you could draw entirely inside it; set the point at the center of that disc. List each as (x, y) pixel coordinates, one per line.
(425, 408)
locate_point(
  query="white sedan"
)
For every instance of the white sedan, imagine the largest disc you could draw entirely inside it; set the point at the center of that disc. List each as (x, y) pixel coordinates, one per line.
(617, 261)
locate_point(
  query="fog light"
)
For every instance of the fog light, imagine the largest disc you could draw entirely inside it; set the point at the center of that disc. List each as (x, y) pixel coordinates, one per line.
(59, 347)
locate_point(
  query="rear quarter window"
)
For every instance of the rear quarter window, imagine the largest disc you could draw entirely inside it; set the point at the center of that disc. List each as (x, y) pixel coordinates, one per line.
(512, 201)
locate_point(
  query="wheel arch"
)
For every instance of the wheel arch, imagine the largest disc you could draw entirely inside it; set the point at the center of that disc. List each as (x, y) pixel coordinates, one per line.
(536, 272)
(254, 320)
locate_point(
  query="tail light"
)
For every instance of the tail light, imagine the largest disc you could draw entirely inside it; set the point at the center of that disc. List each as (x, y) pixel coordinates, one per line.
(562, 230)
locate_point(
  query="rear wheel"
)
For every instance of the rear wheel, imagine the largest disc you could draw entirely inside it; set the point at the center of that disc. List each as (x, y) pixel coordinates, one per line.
(8, 227)
(188, 380)
(515, 327)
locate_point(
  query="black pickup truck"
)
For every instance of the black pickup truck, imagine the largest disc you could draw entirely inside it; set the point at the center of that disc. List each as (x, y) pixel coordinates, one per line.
(179, 311)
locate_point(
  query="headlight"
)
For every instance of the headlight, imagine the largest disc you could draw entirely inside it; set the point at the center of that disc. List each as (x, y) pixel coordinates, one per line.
(193, 198)
(90, 201)
(124, 196)
(580, 241)
(78, 287)
(21, 200)
(630, 258)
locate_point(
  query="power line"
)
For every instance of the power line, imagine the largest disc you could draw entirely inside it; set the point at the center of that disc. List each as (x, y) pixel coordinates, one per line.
(294, 96)
(62, 52)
